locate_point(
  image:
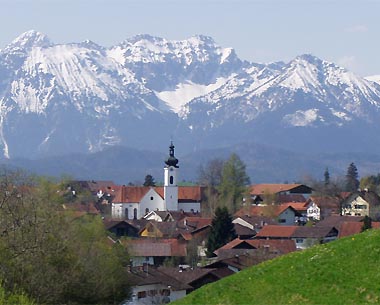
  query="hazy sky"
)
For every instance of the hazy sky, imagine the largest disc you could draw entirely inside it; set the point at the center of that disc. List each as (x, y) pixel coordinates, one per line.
(342, 31)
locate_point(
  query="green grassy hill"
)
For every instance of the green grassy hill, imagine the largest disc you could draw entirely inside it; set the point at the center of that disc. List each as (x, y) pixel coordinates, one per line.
(346, 271)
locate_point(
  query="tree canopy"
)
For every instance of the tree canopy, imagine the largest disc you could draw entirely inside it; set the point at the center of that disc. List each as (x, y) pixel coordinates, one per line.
(234, 182)
(149, 181)
(222, 230)
(50, 252)
(352, 180)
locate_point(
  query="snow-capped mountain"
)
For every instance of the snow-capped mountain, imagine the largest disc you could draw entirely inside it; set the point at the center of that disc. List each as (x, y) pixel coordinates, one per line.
(374, 78)
(82, 97)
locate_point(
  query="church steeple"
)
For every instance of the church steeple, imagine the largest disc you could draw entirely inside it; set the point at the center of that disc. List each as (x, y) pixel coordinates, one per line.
(171, 160)
(170, 181)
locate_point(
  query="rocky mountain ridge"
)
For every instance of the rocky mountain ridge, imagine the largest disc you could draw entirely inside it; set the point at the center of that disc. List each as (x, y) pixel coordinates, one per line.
(81, 97)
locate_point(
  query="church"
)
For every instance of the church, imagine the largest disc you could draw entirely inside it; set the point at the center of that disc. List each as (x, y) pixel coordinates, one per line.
(134, 202)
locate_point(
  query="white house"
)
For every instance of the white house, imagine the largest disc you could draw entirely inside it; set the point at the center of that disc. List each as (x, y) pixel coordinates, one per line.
(313, 211)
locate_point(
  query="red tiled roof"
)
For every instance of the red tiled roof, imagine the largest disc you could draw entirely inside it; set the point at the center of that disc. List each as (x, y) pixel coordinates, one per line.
(153, 247)
(284, 246)
(277, 231)
(197, 222)
(130, 194)
(233, 243)
(298, 206)
(260, 189)
(314, 232)
(149, 275)
(348, 228)
(337, 220)
(267, 210)
(185, 193)
(134, 194)
(187, 276)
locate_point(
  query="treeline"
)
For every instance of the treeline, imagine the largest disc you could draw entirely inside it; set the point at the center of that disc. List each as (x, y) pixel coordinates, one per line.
(49, 253)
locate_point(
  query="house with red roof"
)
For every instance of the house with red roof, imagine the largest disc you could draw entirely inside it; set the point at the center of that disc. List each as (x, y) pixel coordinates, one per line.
(282, 192)
(152, 286)
(282, 214)
(304, 236)
(154, 251)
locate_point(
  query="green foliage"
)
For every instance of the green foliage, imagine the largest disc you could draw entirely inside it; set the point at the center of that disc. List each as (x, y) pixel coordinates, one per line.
(54, 255)
(14, 298)
(149, 181)
(222, 230)
(345, 271)
(367, 223)
(352, 181)
(371, 183)
(233, 183)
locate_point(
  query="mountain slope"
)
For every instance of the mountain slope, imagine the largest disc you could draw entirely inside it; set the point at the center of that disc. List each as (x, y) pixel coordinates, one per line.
(319, 275)
(81, 97)
(307, 99)
(70, 98)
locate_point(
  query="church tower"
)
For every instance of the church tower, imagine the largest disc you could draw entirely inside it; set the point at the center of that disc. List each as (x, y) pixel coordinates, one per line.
(170, 181)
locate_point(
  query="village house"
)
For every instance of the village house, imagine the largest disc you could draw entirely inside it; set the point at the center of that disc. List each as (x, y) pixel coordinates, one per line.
(283, 215)
(308, 209)
(151, 251)
(303, 236)
(277, 193)
(152, 286)
(362, 203)
(239, 246)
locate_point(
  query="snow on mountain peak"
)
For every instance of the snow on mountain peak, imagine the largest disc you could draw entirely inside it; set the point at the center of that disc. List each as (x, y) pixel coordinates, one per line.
(30, 39)
(374, 78)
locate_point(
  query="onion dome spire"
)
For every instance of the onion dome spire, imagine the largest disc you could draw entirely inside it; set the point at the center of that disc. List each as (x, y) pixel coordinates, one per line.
(171, 160)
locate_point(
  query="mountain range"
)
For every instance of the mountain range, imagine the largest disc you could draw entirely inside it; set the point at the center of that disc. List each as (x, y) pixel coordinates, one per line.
(62, 101)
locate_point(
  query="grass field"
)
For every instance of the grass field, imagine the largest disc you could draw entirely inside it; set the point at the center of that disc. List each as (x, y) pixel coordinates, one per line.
(346, 271)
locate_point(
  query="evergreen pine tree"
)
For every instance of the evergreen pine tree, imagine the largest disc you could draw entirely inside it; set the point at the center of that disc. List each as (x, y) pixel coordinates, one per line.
(149, 181)
(222, 230)
(327, 177)
(352, 181)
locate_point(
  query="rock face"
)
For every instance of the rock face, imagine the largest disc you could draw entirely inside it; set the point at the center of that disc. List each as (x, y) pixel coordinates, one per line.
(81, 97)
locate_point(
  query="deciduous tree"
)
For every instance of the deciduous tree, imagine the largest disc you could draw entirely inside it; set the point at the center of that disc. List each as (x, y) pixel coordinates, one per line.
(51, 253)
(233, 183)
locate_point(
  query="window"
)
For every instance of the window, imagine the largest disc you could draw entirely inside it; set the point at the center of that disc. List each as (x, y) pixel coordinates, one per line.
(141, 294)
(134, 213)
(151, 198)
(282, 220)
(126, 213)
(171, 179)
(360, 206)
(146, 211)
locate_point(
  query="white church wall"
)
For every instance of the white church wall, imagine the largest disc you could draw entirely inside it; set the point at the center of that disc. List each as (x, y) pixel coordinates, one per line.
(151, 201)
